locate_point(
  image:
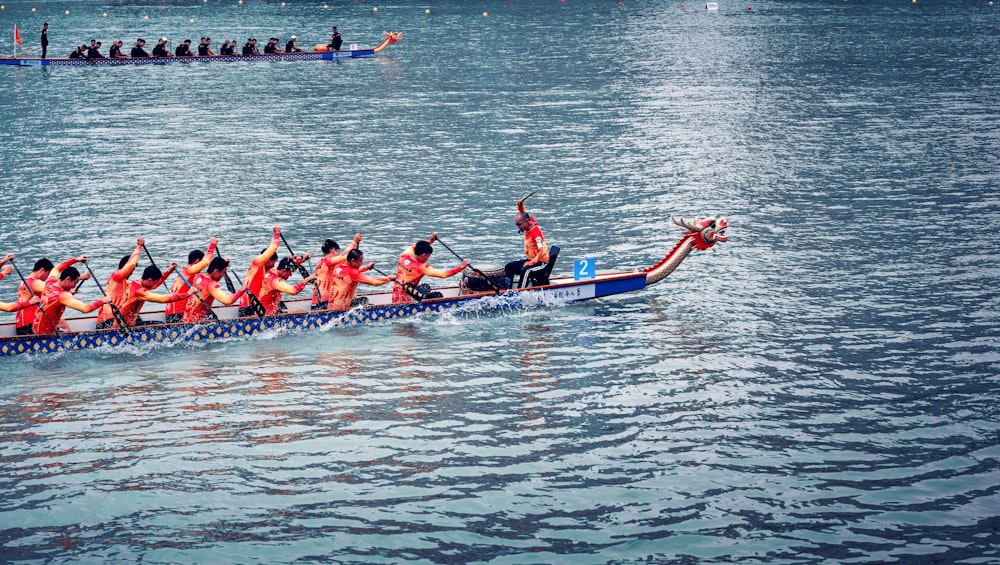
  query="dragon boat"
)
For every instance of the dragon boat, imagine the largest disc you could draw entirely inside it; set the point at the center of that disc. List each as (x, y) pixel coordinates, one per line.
(584, 284)
(318, 54)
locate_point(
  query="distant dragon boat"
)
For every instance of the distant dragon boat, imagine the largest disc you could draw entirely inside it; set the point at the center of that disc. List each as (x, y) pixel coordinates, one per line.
(316, 55)
(701, 234)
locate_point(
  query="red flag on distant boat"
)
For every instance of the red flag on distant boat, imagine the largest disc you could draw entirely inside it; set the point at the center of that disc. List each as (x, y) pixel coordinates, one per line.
(17, 36)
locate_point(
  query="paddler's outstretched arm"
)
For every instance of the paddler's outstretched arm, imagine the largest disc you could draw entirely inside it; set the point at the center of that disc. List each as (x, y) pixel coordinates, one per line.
(373, 281)
(150, 296)
(445, 273)
(227, 299)
(271, 249)
(133, 261)
(67, 264)
(17, 306)
(206, 260)
(286, 288)
(70, 301)
(170, 270)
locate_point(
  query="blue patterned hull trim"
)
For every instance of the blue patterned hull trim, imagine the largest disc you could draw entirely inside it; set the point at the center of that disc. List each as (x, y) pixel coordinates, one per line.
(241, 327)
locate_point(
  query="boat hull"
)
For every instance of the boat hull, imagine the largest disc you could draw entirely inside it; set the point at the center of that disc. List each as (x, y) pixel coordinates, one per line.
(310, 56)
(569, 291)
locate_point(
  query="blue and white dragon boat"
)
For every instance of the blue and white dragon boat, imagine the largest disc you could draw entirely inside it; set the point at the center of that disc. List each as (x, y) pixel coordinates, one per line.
(701, 234)
(316, 55)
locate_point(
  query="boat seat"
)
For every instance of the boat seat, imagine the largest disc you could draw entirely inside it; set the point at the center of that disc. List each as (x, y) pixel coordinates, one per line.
(538, 275)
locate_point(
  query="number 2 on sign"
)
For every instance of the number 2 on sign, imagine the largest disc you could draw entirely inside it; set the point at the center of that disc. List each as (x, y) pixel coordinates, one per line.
(584, 269)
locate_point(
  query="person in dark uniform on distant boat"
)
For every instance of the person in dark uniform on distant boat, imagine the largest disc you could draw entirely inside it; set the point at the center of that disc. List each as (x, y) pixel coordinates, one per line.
(45, 39)
(94, 51)
(228, 48)
(79, 53)
(290, 47)
(160, 50)
(205, 49)
(138, 52)
(272, 46)
(116, 50)
(184, 49)
(335, 40)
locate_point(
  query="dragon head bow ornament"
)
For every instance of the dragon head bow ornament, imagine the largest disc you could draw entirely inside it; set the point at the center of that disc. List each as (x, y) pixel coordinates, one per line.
(709, 230)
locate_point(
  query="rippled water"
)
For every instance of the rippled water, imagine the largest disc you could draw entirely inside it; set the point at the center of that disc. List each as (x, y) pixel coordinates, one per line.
(820, 389)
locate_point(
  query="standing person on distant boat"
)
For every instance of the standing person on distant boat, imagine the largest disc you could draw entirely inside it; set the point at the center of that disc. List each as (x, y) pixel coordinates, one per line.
(259, 267)
(207, 288)
(228, 48)
(184, 49)
(160, 50)
(275, 285)
(535, 249)
(335, 40)
(138, 52)
(198, 260)
(324, 270)
(205, 49)
(290, 47)
(45, 39)
(57, 296)
(137, 293)
(346, 277)
(413, 266)
(115, 287)
(34, 286)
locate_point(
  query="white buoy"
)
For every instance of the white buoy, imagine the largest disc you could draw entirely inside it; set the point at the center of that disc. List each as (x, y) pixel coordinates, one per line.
(146, 18)
(485, 14)
(375, 9)
(67, 12)
(104, 15)
(191, 21)
(427, 11)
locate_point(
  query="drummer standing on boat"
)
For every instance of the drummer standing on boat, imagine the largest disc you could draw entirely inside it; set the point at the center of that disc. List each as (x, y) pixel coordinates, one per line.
(413, 266)
(535, 249)
(45, 39)
(335, 40)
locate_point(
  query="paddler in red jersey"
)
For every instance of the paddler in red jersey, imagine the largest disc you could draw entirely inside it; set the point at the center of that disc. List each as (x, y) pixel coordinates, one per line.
(13, 306)
(197, 261)
(57, 296)
(115, 288)
(199, 305)
(139, 292)
(36, 286)
(413, 266)
(535, 249)
(332, 257)
(346, 277)
(259, 267)
(274, 285)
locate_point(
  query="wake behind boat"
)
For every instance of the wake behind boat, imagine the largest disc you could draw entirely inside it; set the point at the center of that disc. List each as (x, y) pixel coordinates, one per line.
(318, 54)
(701, 234)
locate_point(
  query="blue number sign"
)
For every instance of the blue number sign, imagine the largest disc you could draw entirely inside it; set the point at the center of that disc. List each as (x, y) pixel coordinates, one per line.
(584, 269)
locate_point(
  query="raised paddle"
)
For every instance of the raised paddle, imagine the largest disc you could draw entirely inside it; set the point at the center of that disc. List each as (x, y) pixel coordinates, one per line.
(258, 308)
(488, 280)
(302, 270)
(532, 193)
(40, 309)
(187, 282)
(123, 324)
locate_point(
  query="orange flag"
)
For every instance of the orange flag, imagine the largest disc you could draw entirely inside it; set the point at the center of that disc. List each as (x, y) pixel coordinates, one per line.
(17, 36)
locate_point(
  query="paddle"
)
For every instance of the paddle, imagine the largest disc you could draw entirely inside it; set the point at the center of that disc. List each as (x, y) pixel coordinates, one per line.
(187, 282)
(258, 308)
(488, 280)
(302, 270)
(123, 324)
(40, 309)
